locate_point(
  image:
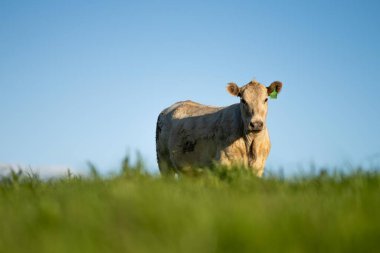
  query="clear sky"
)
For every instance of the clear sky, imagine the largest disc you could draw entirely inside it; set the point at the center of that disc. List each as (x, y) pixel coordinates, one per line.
(86, 80)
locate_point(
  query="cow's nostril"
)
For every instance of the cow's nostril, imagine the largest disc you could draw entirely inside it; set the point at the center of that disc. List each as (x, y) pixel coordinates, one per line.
(258, 125)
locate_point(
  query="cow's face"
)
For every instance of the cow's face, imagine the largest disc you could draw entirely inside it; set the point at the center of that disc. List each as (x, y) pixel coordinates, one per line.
(254, 103)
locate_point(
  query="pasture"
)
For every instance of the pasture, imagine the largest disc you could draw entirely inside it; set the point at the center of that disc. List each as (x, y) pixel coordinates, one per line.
(218, 211)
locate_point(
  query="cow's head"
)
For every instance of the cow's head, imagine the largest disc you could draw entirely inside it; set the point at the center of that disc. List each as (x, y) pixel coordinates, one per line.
(254, 103)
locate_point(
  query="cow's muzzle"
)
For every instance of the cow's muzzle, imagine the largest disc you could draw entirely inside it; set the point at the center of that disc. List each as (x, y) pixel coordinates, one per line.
(256, 126)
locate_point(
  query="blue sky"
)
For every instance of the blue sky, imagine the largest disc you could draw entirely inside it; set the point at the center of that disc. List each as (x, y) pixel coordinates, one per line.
(86, 80)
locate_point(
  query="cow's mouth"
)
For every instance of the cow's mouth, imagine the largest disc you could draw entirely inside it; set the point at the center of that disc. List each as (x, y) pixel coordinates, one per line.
(255, 131)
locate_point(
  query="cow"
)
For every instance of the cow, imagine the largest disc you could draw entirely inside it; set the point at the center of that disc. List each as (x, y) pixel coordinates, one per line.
(191, 135)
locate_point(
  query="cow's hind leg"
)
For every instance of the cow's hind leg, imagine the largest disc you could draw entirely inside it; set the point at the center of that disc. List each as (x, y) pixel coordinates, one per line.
(164, 163)
(165, 168)
(163, 158)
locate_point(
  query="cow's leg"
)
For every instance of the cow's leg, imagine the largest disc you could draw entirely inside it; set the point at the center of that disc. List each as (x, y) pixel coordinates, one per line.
(163, 158)
(257, 166)
(164, 161)
(165, 168)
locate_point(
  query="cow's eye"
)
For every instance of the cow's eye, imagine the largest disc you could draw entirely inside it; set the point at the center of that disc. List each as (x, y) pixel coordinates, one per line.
(243, 101)
(266, 100)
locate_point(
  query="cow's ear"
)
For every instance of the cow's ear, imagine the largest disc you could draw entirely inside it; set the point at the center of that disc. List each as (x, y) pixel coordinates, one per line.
(275, 86)
(233, 89)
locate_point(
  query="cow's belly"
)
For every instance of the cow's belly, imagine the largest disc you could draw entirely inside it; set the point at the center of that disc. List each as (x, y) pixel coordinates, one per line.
(203, 153)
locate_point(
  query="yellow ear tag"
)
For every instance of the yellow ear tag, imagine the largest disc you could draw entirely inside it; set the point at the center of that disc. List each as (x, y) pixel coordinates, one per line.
(273, 95)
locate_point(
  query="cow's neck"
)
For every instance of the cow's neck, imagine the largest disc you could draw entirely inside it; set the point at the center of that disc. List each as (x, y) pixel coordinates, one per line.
(251, 140)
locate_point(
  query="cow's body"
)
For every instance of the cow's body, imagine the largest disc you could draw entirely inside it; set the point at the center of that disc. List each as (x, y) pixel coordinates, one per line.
(193, 135)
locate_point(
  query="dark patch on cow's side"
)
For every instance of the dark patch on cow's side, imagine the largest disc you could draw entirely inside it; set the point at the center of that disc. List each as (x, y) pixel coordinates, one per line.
(189, 146)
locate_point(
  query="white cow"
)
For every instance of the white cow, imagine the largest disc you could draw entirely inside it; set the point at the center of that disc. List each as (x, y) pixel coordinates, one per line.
(190, 135)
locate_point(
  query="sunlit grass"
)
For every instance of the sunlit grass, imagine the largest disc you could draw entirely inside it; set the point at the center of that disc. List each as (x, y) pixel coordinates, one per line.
(219, 211)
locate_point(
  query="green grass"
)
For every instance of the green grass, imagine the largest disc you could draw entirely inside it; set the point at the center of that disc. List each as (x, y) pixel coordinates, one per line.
(222, 211)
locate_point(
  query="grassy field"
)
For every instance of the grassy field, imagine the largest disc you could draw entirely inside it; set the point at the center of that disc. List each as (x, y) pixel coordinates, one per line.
(220, 211)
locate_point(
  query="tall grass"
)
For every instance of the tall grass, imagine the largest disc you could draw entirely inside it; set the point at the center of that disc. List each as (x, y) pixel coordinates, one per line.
(224, 210)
